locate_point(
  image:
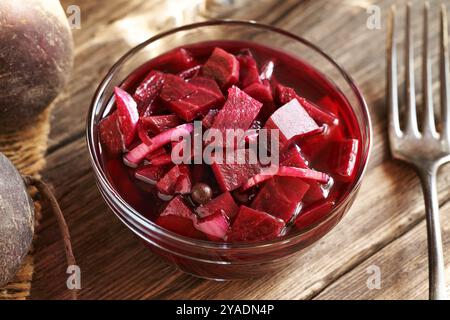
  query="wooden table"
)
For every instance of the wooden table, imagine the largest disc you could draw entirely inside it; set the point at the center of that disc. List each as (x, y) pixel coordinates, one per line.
(385, 227)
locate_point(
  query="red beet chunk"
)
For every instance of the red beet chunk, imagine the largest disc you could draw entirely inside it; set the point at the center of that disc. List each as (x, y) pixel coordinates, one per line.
(252, 225)
(179, 218)
(222, 67)
(292, 121)
(173, 180)
(313, 214)
(177, 207)
(231, 176)
(208, 85)
(178, 60)
(148, 91)
(156, 154)
(239, 111)
(110, 134)
(158, 124)
(127, 116)
(293, 158)
(185, 99)
(183, 185)
(343, 158)
(248, 70)
(224, 203)
(263, 93)
(320, 146)
(281, 197)
(179, 225)
(190, 73)
(214, 226)
(260, 91)
(286, 94)
(150, 174)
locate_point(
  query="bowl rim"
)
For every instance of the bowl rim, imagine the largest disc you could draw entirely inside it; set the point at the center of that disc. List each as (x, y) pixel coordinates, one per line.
(153, 227)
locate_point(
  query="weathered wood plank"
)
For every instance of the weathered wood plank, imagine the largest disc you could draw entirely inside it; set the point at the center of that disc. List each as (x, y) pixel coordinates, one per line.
(403, 267)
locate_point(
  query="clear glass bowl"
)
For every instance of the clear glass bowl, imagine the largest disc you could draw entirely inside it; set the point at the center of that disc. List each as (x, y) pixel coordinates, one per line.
(204, 259)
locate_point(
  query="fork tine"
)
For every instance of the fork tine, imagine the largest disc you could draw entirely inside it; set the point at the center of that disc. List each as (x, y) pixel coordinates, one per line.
(429, 126)
(411, 113)
(445, 76)
(394, 121)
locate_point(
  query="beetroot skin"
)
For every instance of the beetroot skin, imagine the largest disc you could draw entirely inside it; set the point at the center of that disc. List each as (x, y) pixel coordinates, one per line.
(252, 225)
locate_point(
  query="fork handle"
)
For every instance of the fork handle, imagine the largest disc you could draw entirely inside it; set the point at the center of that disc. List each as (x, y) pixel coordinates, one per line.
(437, 286)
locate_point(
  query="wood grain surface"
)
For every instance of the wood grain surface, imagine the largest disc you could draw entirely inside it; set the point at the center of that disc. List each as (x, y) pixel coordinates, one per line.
(384, 228)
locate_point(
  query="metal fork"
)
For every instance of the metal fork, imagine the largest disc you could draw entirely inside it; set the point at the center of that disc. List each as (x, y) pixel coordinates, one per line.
(425, 149)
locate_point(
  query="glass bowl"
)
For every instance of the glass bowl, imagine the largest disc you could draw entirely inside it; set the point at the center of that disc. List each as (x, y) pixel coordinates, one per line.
(224, 261)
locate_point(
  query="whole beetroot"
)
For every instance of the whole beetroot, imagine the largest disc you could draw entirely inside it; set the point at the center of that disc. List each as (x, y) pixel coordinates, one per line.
(16, 220)
(36, 56)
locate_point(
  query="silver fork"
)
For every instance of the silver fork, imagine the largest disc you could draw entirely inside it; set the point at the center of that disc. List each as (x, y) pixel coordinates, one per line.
(425, 149)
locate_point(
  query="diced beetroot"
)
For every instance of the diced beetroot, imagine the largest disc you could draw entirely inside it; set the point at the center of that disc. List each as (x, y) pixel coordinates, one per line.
(181, 226)
(208, 120)
(148, 91)
(283, 171)
(319, 146)
(215, 226)
(150, 174)
(260, 92)
(179, 218)
(293, 157)
(281, 197)
(190, 73)
(136, 155)
(168, 183)
(263, 93)
(239, 111)
(161, 160)
(313, 214)
(208, 85)
(127, 116)
(252, 225)
(158, 124)
(343, 158)
(286, 94)
(178, 60)
(248, 70)
(110, 134)
(317, 113)
(177, 207)
(183, 185)
(223, 67)
(231, 176)
(292, 121)
(185, 99)
(224, 202)
(175, 88)
(156, 154)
